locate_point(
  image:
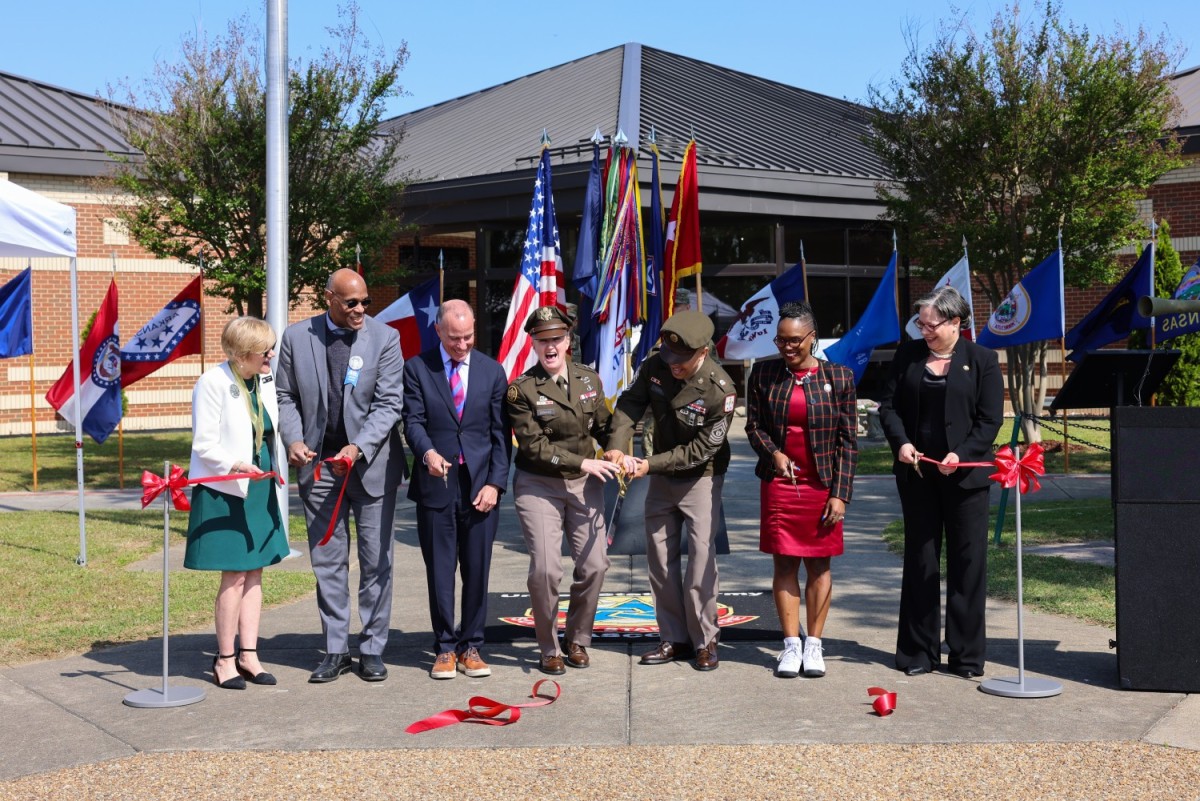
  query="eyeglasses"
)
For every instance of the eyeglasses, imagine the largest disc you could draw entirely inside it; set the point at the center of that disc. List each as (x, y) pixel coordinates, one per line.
(930, 326)
(792, 342)
(353, 303)
(267, 353)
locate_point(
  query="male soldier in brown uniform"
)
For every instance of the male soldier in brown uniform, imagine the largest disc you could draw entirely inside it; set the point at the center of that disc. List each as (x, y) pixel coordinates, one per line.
(558, 413)
(691, 401)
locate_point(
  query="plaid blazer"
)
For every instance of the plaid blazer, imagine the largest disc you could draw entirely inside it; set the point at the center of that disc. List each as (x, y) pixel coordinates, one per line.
(832, 421)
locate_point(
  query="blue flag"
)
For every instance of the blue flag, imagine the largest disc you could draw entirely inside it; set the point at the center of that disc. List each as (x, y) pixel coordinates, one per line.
(1032, 310)
(584, 277)
(654, 265)
(16, 316)
(879, 325)
(1186, 322)
(1117, 315)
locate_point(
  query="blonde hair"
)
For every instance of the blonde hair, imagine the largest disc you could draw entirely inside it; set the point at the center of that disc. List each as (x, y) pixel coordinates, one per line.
(245, 335)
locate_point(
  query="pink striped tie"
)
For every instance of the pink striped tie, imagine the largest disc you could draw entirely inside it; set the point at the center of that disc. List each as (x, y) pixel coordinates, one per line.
(458, 393)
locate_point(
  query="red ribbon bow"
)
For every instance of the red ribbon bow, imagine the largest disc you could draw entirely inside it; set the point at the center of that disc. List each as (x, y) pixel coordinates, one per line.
(884, 703)
(153, 486)
(486, 711)
(1010, 471)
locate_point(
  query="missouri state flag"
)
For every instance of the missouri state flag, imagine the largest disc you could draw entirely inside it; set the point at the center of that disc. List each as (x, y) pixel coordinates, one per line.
(414, 315)
(99, 398)
(174, 332)
(752, 335)
(1033, 309)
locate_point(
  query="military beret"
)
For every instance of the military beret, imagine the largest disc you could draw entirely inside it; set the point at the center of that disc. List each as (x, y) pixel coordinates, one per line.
(547, 319)
(683, 334)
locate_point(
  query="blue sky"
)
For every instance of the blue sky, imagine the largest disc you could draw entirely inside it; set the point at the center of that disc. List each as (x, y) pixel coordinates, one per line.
(459, 46)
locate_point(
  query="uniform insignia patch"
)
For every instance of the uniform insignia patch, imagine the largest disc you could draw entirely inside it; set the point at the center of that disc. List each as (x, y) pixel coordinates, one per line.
(718, 433)
(513, 394)
(730, 400)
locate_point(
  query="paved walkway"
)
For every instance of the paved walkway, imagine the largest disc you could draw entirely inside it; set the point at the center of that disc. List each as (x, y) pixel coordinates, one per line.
(73, 712)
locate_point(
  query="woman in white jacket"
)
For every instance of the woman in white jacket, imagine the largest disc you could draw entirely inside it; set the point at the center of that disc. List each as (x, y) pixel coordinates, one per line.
(236, 526)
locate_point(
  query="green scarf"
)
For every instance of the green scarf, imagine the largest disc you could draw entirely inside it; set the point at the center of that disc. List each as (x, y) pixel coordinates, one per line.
(255, 410)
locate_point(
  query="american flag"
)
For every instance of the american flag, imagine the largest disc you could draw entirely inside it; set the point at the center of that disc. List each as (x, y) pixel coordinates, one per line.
(541, 282)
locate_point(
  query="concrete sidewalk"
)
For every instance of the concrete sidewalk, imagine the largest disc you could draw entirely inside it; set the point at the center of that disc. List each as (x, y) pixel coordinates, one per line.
(75, 703)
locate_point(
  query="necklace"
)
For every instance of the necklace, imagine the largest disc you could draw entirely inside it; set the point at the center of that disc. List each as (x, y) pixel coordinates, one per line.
(937, 355)
(804, 375)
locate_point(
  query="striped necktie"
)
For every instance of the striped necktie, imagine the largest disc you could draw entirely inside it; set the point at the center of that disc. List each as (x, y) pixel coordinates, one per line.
(458, 393)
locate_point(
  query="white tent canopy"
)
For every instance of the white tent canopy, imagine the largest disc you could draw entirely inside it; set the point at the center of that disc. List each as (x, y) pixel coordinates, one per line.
(34, 226)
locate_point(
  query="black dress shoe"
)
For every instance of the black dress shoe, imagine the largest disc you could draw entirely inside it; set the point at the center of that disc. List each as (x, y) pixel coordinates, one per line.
(332, 666)
(966, 673)
(915, 670)
(264, 678)
(371, 667)
(235, 682)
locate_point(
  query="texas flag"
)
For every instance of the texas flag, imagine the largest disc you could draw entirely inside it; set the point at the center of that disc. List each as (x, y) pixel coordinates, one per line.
(413, 315)
(99, 376)
(173, 332)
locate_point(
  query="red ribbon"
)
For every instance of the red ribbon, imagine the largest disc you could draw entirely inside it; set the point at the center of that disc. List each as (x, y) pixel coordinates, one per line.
(333, 519)
(153, 485)
(485, 710)
(1009, 470)
(884, 703)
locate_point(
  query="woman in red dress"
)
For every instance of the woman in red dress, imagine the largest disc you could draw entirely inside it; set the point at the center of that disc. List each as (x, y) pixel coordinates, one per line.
(806, 442)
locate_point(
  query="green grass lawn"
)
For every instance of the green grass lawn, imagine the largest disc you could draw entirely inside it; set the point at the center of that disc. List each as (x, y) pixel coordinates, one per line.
(143, 450)
(1089, 456)
(51, 607)
(1052, 584)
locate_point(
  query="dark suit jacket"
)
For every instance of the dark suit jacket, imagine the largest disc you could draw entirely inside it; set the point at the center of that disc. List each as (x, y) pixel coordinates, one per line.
(429, 422)
(370, 408)
(832, 421)
(974, 405)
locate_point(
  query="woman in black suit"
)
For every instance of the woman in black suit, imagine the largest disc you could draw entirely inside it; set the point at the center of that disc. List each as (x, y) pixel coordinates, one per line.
(801, 421)
(944, 399)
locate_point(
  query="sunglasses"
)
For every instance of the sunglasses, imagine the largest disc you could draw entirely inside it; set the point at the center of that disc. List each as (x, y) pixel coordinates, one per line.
(353, 303)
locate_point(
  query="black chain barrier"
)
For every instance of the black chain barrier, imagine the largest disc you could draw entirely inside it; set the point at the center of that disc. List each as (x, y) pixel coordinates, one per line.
(1049, 423)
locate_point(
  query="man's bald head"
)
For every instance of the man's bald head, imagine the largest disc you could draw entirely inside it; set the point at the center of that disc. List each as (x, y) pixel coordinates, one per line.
(456, 328)
(347, 299)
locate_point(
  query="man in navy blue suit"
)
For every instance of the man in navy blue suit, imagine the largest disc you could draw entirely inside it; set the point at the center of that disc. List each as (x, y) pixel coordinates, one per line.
(454, 424)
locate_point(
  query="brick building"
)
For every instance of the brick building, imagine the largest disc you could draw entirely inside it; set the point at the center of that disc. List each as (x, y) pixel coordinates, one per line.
(778, 165)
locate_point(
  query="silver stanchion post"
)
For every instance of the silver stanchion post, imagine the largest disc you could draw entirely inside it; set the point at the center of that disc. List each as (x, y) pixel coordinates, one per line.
(1020, 686)
(167, 696)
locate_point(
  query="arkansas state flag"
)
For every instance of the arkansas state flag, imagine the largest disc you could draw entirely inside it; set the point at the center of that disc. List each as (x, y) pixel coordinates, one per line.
(1185, 322)
(752, 335)
(413, 315)
(99, 376)
(173, 332)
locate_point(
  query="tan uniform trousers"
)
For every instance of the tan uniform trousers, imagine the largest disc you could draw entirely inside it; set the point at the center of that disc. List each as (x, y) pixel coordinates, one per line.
(685, 602)
(545, 507)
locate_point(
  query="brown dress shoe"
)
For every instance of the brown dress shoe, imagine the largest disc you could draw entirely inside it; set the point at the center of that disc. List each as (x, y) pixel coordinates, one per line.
(443, 666)
(707, 657)
(553, 665)
(577, 656)
(472, 664)
(666, 652)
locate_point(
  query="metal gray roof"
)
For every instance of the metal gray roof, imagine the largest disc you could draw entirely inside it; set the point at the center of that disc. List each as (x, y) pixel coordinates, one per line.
(740, 121)
(50, 130)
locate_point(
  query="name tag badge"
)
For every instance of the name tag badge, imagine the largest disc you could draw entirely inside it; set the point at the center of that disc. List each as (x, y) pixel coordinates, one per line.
(353, 368)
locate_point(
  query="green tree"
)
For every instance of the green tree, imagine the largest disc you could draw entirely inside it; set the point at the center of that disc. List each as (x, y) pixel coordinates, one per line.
(199, 187)
(1007, 139)
(1182, 385)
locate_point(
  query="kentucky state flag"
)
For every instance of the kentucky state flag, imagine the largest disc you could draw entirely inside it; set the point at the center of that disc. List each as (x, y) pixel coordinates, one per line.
(1033, 309)
(1117, 315)
(173, 332)
(99, 398)
(752, 334)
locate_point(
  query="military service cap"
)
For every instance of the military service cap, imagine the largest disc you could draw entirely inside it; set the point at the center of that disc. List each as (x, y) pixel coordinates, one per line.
(549, 320)
(683, 334)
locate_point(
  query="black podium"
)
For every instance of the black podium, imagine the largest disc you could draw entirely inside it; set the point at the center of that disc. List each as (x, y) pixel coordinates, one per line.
(1156, 503)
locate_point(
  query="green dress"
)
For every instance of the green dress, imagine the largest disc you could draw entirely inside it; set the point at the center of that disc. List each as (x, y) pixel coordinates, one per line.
(226, 532)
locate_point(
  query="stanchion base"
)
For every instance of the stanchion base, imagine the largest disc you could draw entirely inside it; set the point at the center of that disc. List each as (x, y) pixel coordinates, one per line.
(1014, 687)
(156, 699)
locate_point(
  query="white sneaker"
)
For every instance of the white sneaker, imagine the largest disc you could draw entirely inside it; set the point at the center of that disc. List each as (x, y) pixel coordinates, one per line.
(814, 663)
(789, 660)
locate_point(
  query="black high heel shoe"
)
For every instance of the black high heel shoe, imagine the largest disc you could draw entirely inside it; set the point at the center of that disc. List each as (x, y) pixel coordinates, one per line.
(263, 678)
(235, 683)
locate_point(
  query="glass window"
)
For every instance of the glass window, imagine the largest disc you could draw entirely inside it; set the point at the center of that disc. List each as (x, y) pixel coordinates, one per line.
(822, 245)
(729, 241)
